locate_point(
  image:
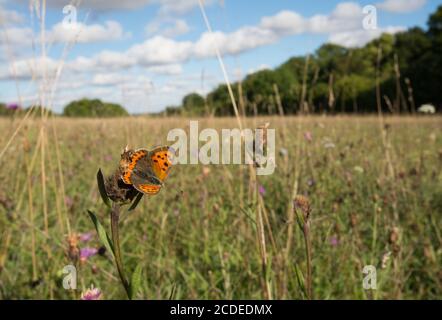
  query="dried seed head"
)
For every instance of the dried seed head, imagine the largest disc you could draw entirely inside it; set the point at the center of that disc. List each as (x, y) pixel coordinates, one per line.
(394, 236)
(302, 203)
(118, 191)
(26, 145)
(429, 253)
(394, 239)
(73, 251)
(353, 220)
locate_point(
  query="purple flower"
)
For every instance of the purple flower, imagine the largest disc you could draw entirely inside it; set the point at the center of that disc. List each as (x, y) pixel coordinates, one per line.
(85, 237)
(334, 241)
(13, 106)
(108, 158)
(68, 201)
(261, 190)
(86, 253)
(308, 136)
(91, 294)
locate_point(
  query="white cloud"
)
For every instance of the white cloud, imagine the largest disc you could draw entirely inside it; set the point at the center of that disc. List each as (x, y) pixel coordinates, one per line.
(107, 79)
(401, 6)
(29, 68)
(343, 25)
(8, 17)
(236, 42)
(82, 33)
(358, 38)
(160, 51)
(167, 27)
(346, 16)
(14, 36)
(139, 84)
(171, 69)
(285, 22)
(180, 6)
(103, 61)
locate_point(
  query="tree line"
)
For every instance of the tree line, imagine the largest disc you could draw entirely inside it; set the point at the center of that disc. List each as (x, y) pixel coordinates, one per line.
(394, 73)
(91, 108)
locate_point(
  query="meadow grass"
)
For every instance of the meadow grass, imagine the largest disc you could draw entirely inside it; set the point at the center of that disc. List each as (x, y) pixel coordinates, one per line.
(374, 188)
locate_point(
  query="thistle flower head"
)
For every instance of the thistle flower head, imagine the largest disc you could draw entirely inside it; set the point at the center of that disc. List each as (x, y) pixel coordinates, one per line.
(91, 294)
(86, 253)
(13, 106)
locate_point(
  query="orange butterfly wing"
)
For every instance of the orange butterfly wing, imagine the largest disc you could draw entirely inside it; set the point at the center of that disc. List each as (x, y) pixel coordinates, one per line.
(161, 161)
(148, 188)
(129, 167)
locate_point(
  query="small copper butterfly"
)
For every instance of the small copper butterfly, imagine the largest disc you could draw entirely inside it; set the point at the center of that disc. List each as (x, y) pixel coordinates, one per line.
(147, 170)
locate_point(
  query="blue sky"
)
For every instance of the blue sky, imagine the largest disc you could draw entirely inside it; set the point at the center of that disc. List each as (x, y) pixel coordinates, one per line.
(147, 54)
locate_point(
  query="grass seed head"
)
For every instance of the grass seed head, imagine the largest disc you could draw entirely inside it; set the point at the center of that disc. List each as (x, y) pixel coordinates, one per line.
(73, 250)
(302, 204)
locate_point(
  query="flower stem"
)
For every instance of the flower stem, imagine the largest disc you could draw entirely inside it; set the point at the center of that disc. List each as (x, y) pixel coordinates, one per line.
(115, 215)
(308, 252)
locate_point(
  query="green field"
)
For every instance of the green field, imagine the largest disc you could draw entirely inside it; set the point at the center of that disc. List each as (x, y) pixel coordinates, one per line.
(374, 186)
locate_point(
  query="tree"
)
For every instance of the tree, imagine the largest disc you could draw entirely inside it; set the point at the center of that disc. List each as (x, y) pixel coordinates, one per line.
(435, 24)
(433, 59)
(194, 104)
(93, 108)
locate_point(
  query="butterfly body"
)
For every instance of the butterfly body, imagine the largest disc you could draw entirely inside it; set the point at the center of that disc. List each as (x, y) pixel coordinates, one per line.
(147, 170)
